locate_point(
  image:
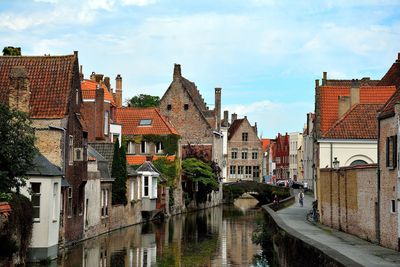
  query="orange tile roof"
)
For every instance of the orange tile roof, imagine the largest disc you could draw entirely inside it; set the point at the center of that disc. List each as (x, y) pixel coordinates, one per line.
(50, 80)
(130, 117)
(265, 143)
(358, 123)
(329, 103)
(140, 159)
(89, 91)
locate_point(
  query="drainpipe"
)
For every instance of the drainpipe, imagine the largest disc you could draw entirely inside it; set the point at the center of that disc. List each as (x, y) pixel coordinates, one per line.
(331, 146)
(377, 208)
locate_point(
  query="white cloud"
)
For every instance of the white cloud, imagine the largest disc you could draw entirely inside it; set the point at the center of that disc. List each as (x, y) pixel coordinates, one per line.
(138, 2)
(101, 4)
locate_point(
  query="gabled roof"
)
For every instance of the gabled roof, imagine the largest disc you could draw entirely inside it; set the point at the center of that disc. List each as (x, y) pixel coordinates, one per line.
(265, 143)
(50, 82)
(392, 77)
(329, 103)
(147, 166)
(358, 123)
(234, 127)
(106, 150)
(43, 167)
(130, 118)
(102, 163)
(89, 91)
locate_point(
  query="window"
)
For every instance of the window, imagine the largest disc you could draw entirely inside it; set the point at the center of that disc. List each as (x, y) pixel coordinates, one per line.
(69, 202)
(131, 147)
(254, 155)
(232, 171)
(248, 169)
(169, 107)
(132, 189)
(106, 115)
(256, 171)
(55, 201)
(35, 199)
(234, 155)
(391, 151)
(77, 96)
(143, 147)
(104, 202)
(244, 154)
(159, 148)
(71, 150)
(146, 186)
(393, 206)
(245, 136)
(186, 106)
(145, 122)
(240, 170)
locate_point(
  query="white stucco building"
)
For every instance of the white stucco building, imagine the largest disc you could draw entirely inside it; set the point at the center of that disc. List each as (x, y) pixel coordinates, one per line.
(295, 141)
(44, 189)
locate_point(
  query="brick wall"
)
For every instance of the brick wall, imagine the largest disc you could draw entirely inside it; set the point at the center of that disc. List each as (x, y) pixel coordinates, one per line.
(348, 200)
(388, 188)
(189, 123)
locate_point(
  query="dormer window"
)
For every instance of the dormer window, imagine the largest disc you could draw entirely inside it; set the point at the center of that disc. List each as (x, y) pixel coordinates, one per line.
(145, 122)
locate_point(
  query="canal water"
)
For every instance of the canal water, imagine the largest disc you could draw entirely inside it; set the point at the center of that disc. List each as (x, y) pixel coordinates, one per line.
(219, 236)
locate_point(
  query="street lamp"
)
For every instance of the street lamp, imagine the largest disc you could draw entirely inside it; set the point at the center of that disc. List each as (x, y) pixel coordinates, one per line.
(336, 163)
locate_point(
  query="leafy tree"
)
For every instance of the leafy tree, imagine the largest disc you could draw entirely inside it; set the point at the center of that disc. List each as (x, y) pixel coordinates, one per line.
(119, 173)
(198, 171)
(144, 101)
(11, 51)
(17, 149)
(169, 169)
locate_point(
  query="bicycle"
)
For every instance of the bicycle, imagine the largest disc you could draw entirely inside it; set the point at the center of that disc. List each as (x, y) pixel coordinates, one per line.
(313, 214)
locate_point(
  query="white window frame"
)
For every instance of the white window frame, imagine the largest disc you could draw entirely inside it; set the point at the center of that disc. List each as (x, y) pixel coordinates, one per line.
(131, 148)
(55, 201)
(146, 177)
(36, 194)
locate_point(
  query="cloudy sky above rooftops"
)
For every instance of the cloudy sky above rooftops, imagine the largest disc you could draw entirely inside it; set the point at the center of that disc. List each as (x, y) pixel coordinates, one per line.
(265, 54)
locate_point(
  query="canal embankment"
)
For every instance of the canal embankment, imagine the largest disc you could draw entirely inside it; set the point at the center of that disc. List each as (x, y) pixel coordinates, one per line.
(297, 242)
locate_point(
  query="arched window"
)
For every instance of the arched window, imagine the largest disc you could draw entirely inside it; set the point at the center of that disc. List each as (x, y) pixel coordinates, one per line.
(358, 162)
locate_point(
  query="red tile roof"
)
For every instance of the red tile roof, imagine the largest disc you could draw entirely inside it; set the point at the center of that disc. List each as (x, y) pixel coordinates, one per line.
(130, 117)
(358, 123)
(392, 77)
(329, 100)
(50, 82)
(89, 91)
(140, 159)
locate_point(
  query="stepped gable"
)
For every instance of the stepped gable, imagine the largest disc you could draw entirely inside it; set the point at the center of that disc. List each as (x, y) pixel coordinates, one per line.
(50, 82)
(130, 119)
(358, 123)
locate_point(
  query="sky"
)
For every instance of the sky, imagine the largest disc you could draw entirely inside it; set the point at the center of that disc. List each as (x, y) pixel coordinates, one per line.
(264, 54)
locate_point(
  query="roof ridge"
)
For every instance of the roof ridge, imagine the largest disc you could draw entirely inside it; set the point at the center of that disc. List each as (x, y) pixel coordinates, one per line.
(167, 123)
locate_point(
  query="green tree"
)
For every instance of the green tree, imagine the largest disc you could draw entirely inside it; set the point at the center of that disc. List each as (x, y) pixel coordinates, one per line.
(144, 101)
(198, 171)
(119, 173)
(17, 149)
(11, 51)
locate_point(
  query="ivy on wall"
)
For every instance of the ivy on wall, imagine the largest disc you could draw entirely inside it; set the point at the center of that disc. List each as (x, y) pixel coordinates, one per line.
(170, 141)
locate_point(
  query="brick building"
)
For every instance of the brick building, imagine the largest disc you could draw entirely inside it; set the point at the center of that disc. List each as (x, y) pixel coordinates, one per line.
(198, 125)
(48, 89)
(282, 157)
(244, 150)
(388, 174)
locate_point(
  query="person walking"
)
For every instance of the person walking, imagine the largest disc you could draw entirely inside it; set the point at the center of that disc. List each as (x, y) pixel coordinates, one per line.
(301, 198)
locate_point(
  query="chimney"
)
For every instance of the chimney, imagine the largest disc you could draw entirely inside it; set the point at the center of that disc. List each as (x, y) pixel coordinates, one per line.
(398, 58)
(99, 77)
(177, 71)
(324, 77)
(226, 115)
(118, 91)
(19, 90)
(255, 127)
(316, 83)
(99, 113)
(107, 83)
(217, 109)
(354, 93)
(233, 117)
(80, 73)
(93, 76)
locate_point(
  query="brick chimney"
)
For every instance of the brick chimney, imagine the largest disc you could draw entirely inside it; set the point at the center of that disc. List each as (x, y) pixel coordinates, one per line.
(398, 58)
(217, 109)
(354, 93)
(81, 73)
(93, 76)
(99, 113)
(324, 77)
(226, 117)
(107, 83)
(177, 72)
(19, 90)
(233, 117)
(118, 91)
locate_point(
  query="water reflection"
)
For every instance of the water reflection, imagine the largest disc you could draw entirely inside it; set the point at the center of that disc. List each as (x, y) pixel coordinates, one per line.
(219, 236)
